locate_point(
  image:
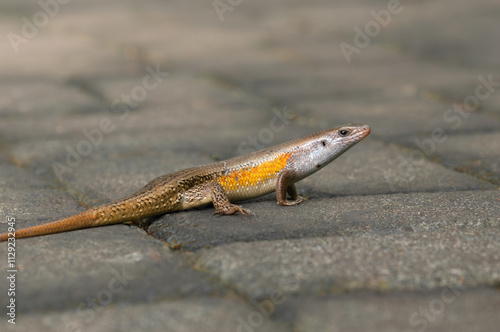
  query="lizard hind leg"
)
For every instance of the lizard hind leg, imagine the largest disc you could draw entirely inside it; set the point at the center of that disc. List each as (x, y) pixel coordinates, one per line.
(212, 192)
(221, 203)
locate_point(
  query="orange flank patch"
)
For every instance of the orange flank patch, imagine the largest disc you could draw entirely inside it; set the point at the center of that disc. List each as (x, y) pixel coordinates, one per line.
(251, 176)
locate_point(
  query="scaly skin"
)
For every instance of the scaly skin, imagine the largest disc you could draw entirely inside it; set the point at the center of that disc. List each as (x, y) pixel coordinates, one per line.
(245, 177)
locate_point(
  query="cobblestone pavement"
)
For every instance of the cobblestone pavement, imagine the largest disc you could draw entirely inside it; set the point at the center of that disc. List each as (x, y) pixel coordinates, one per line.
(402, 233)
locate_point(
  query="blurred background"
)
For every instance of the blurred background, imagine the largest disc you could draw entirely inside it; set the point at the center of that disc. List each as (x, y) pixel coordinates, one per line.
(399, 66)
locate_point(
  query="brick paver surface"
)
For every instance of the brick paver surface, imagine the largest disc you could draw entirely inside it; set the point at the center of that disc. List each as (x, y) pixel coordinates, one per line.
(402, 233)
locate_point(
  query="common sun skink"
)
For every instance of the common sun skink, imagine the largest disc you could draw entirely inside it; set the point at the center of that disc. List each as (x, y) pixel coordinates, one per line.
(277, 168)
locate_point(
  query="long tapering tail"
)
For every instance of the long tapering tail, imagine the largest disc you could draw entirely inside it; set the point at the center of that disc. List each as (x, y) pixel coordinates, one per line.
(81, 220)
(147, 202)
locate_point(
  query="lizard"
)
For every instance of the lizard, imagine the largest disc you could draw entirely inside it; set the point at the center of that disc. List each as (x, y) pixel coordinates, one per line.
(276, 168)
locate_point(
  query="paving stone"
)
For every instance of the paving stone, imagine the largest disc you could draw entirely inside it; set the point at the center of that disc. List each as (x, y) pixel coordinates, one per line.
(127, 267)
(377, 168)
(26, 197)
(411, 261)
(113, 276)
(381, 218)
(337, 216)
(443, 309)
(191, 314)
(31, 105)
(476, 153)
(410, 119)
(453, 44)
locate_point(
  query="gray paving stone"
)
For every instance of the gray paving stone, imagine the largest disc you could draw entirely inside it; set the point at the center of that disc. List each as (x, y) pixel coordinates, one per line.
(192, 314)
(66, 270)
(410, 119)
(26, 197)
(377, 168)
(381, 217)
(477, 153)
(453, 45)
(329, 265)
(443, 309)
(336, 216)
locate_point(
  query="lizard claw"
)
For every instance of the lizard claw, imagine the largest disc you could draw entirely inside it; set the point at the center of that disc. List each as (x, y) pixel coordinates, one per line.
(296, 201)
(233, 209)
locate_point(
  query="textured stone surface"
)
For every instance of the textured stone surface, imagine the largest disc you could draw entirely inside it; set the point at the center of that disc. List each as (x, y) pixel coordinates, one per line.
(142, 90)
(336, 216)
(183, 315)
(443, 309)
(342, 264)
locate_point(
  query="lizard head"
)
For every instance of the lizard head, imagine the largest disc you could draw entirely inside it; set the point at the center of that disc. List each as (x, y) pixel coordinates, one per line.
(321, 148)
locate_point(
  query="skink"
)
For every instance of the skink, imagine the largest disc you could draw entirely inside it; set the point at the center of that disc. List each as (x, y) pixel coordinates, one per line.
(276, 168)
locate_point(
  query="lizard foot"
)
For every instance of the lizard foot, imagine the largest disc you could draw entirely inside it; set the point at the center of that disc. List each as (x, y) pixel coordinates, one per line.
(297, 200)
(233, 209)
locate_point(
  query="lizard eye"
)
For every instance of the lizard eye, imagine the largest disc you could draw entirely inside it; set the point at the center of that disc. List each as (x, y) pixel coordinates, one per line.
(323, 143)
(344, 132)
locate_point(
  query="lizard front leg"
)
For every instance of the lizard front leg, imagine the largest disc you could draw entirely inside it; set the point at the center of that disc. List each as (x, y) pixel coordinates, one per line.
(283, 186)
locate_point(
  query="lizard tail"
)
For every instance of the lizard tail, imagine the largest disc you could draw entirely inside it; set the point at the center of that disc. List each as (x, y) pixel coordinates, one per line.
(81, 220)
